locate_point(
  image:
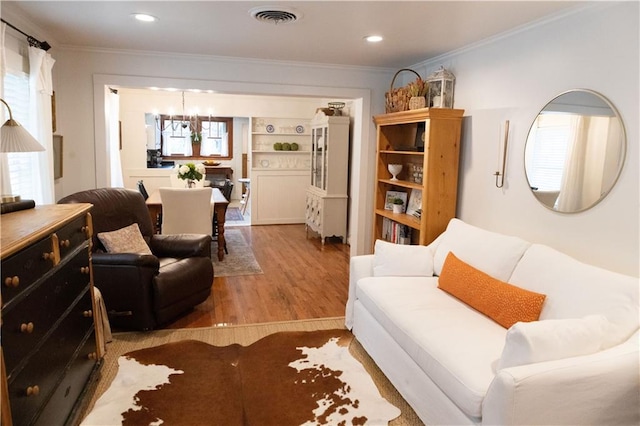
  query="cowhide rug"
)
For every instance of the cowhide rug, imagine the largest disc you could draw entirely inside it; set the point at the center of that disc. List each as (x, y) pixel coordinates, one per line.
(288, 378)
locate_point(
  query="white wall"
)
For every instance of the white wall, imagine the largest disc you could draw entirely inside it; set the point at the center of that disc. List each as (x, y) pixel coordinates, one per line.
(512, 79)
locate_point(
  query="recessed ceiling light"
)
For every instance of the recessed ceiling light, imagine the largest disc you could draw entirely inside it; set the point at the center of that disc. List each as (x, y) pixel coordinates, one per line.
(144, 17)
(373, 38)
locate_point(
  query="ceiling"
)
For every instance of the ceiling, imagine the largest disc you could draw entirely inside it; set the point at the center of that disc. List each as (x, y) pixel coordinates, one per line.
(327, 32)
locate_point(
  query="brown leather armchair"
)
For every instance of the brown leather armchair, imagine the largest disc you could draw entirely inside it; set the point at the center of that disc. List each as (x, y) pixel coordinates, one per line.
(143, 292)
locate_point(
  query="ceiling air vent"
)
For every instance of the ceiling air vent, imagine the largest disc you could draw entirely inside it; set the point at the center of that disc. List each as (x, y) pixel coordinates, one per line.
(275, 14)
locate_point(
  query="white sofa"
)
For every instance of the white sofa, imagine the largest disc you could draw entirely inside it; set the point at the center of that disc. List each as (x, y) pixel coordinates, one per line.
(579, 364)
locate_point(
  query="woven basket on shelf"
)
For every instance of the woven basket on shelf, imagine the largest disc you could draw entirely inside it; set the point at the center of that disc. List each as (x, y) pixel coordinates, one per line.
(398, 99)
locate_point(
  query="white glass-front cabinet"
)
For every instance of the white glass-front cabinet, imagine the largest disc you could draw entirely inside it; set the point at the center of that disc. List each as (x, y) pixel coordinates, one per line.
(326, 206)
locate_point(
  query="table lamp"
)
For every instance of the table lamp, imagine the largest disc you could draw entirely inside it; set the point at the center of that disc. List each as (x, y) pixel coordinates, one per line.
(15, 138)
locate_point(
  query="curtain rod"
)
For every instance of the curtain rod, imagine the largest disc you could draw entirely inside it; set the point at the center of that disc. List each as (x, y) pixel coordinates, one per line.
(30, 39)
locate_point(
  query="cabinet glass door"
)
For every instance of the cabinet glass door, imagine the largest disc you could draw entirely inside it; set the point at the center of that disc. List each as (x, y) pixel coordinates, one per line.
(325, 158)
(318, 158)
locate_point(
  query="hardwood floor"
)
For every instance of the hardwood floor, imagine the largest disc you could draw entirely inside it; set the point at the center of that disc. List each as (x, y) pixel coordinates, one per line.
(302, 279)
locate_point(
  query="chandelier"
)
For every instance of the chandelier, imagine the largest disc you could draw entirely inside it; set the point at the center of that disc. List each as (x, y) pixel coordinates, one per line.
(180, 126)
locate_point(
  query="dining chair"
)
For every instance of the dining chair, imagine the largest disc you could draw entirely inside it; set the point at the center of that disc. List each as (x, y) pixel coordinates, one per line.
(226, 190)
(143, 190)
(186, 210)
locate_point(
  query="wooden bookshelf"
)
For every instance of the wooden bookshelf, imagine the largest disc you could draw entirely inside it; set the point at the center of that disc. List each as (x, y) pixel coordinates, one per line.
(428, 138)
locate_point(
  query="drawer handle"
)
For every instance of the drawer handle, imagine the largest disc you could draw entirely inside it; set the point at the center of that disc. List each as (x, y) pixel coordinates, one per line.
(92, 355)
(33, 390)
(87, 314)
(85, 230)
(26, 328)
(12, 281)
(84, 269)
(65, 243)
(47, 256)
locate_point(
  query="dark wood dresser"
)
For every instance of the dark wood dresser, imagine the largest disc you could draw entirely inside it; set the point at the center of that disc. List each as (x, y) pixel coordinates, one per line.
(49, 349)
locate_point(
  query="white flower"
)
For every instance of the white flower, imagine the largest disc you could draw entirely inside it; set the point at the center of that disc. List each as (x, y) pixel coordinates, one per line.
(200, 168)
(183, 169)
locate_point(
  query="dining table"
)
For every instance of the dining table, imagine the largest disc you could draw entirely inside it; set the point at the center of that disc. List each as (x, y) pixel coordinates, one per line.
(220, 204)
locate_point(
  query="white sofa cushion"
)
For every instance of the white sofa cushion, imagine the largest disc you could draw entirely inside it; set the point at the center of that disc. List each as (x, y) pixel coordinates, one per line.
(575, 289)
(402, 260)
(537, 341)
(493, 253)
(435, 330)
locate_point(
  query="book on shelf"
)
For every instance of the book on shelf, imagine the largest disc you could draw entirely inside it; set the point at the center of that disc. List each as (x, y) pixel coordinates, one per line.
(395, 232)
(415, 202)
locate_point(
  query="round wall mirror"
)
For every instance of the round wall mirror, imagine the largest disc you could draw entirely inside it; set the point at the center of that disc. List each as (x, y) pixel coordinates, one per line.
(575, 151)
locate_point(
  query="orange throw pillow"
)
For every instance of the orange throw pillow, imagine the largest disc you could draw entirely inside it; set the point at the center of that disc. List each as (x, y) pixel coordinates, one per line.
(504, 303)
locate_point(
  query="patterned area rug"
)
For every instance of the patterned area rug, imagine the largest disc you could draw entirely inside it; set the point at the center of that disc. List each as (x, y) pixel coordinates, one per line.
(233, 214)
(240, 259)
(286, 378)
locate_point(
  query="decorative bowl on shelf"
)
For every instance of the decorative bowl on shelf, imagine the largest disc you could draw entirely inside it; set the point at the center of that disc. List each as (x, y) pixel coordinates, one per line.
(211, 163)
(294, 146)
(395, 170)
(277, 146)
(336, 107)
(286, 146)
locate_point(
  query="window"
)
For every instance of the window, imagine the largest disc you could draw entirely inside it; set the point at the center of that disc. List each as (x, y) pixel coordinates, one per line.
(16, 94)
(551, 136)
(198, 136)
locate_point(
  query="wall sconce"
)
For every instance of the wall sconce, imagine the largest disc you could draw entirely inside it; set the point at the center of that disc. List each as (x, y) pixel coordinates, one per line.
(500, 175)
(15, 138)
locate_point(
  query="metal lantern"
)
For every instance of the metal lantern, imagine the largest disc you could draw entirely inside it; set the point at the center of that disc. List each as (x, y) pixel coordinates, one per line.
(441, 89)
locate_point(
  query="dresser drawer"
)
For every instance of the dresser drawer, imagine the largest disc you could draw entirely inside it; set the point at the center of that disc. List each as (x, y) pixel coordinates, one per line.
(27, 322)
(72, 235)
(24, 268)
(71, 387)
(50, 364)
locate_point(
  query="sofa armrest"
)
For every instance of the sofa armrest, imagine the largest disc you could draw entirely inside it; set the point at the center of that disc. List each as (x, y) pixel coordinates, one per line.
(359, 267)
(126, 283)
(181, 245)
(601, 388)
(126, 259)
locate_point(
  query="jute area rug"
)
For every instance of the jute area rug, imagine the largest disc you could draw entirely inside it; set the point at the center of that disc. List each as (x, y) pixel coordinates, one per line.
(238, 261)
(126, 343)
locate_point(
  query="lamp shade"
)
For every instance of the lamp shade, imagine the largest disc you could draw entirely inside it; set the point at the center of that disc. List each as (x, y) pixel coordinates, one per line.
(16, 138)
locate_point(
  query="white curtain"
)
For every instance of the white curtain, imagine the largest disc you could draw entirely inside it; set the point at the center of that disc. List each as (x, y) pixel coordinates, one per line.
(5, 180)
(582, 181)
(41, 90)
(113, 138)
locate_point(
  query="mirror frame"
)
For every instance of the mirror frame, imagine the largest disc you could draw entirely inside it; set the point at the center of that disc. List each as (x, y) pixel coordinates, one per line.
(623, 153)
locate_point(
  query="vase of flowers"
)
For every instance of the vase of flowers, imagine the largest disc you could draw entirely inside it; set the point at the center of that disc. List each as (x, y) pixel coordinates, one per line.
(191, 173)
